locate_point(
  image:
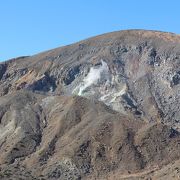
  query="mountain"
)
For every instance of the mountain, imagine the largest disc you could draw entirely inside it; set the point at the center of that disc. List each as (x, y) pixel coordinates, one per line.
(104, 108)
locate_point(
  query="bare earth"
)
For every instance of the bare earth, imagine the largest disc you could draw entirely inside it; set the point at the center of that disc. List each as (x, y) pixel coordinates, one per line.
(104, 108)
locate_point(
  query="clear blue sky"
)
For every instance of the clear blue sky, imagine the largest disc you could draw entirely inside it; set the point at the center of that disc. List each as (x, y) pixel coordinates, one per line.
(31, 26)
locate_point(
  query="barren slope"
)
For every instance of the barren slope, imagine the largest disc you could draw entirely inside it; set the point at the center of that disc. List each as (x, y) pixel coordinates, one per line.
(102, 108)
(63, 137)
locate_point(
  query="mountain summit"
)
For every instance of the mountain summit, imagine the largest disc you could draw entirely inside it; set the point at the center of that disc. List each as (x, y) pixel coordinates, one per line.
(104, 108)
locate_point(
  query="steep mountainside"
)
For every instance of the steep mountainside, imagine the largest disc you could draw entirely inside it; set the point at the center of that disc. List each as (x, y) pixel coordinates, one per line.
(107, 107)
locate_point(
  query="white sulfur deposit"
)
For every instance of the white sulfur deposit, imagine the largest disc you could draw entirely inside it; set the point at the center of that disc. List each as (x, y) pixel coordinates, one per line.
(94, 76)
(106, 86)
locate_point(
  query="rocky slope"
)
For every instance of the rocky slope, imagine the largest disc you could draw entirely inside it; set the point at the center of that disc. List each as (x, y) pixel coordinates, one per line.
(105, 108)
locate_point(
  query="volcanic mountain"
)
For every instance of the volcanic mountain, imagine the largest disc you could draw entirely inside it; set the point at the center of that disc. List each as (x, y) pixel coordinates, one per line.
(104, 108)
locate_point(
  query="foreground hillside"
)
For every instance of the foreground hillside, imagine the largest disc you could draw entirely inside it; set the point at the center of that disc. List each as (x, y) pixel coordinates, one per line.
(105, 108)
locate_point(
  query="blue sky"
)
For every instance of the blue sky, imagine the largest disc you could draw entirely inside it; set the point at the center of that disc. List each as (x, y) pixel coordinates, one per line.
(31, 26)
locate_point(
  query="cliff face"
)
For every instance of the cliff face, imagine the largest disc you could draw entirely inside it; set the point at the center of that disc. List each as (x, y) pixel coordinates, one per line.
(101, 106)
(128, 70)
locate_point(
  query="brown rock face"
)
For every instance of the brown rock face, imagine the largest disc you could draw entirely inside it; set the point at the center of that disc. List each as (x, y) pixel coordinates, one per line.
(104, 108)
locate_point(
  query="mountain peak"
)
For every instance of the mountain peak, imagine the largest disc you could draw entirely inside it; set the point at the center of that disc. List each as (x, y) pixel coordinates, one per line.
(105, 105)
